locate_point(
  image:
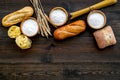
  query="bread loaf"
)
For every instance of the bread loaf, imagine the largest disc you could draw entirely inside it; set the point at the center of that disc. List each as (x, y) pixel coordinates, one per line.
(70, 30)
(17, 16)
(105, 37)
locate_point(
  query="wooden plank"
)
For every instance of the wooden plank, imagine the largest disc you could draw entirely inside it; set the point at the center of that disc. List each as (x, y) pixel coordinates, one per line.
(82, 71)
(76, 58)
(81, 48)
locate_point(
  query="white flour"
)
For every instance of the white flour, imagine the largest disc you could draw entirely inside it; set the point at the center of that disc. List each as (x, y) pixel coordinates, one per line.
(58, 17)
(96, 20)
(30, 27)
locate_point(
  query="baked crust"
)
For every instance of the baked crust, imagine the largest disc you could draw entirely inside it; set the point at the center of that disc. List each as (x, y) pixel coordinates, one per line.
(105, 37)
(17, 16)
(70, 30)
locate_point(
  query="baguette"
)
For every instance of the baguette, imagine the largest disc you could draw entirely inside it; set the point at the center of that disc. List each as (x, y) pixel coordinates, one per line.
(17, 16)
(70, 30)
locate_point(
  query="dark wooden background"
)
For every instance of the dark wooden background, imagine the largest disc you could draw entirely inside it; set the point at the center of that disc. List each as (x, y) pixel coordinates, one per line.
(76, 58)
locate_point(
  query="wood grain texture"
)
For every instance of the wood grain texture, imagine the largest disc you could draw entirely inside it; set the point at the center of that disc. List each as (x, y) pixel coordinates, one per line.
(76, 58)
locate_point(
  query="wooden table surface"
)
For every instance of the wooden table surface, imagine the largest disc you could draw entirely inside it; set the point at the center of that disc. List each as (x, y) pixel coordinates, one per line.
(76, 58)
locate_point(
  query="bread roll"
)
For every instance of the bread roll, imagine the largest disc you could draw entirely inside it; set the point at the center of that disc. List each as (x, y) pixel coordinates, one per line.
(105, 37)
(17, 16)
(14, 31)
(70, 30)
(23, 42)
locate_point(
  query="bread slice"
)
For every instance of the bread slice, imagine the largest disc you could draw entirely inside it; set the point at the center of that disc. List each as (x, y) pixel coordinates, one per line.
(105, 37)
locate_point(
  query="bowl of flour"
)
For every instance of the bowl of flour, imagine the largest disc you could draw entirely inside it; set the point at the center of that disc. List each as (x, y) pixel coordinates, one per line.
(58, 16)
(96, 19)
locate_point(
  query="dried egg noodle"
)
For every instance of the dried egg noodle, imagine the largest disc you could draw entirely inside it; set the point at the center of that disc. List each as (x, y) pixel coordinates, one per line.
(14, 31)
(23, 42)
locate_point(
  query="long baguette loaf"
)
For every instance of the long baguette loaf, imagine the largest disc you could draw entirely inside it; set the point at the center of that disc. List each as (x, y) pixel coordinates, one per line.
(70, 30)
(17, 16)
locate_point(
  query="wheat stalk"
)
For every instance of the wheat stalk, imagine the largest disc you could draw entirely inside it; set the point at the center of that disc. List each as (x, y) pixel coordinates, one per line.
(41, 18)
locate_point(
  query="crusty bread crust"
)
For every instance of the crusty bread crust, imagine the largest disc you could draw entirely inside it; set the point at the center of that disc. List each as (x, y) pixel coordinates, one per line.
(70, 30)
(105, 37)
(17, 16)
